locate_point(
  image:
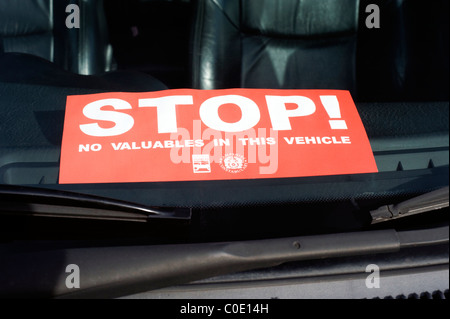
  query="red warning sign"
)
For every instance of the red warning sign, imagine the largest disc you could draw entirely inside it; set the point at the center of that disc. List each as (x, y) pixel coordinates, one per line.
(188, 135)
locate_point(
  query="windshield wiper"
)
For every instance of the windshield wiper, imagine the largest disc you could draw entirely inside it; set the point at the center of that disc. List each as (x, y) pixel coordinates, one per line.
(19, 200)
(424, 203)
(109, 272)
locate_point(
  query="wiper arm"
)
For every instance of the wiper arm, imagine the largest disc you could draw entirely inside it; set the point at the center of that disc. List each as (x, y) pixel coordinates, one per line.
(19, 200)
(424, 203)
(108, 272)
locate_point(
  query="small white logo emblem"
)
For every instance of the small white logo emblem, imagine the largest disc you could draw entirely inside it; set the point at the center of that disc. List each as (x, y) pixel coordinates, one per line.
(233, 163)
(201, 163)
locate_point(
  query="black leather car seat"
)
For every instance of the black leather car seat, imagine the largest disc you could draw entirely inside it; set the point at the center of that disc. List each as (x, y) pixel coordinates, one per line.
(37, 48)
(303, 44)
(38, 27)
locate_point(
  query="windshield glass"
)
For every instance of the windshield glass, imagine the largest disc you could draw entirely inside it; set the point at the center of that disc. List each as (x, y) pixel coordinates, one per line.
(394, 68)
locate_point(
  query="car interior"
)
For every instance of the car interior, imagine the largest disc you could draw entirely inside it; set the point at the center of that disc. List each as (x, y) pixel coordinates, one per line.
(397, 74)
(230, 44)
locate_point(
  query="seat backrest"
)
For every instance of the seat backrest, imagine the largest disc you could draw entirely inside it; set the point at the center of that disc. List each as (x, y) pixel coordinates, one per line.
(26, 26)
(275, 44)
(38, 27)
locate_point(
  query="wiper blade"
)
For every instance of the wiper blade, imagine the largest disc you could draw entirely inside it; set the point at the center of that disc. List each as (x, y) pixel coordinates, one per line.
(20, 200)
(424, 203)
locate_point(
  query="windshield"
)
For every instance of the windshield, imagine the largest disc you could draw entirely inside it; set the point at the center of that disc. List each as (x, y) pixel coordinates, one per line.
(163, 68)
